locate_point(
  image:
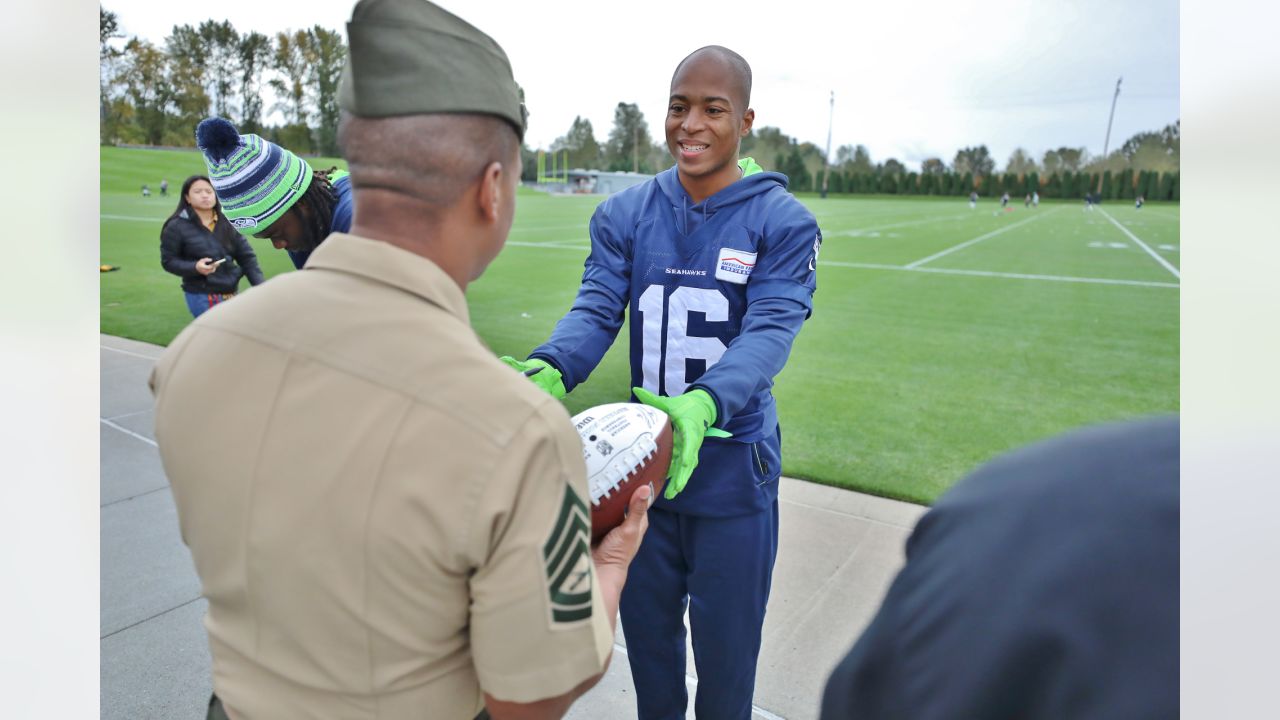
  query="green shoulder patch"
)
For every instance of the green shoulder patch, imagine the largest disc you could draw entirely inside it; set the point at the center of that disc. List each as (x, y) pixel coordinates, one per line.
(567, 559)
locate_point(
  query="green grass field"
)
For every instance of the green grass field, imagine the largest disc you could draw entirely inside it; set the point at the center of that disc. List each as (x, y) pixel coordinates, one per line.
(941, 336)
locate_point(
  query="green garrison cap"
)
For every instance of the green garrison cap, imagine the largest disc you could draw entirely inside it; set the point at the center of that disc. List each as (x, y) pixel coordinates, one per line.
(411, 57)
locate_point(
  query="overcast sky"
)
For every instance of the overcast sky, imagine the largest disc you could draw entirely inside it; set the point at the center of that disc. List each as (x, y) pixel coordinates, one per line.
(911, 79)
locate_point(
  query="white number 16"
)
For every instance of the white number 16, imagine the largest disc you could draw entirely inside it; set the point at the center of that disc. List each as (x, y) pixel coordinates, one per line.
(680, 345)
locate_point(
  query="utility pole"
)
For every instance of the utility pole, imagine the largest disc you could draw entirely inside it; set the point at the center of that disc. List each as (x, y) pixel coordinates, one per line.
(826, 159)
(1107, 142)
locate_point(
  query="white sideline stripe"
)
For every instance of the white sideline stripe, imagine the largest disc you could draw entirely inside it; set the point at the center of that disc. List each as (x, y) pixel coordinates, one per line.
(1014, 276)
(517, 228)
(979, 239)
(126, 352)
(875, 228)
(127, 431)
(692, 682)
(940, 271)
(552, 244)
(130, 217)
(1144, 246)
(532, 228)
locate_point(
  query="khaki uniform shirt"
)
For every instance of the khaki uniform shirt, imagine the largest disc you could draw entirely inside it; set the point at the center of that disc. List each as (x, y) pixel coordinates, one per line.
(385, 519)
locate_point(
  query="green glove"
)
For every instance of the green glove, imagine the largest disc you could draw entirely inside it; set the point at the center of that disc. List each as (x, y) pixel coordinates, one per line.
(691, 417)
(541, 372)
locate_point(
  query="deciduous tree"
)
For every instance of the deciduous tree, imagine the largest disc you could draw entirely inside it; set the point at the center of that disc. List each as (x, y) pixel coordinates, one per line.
(1020, 163)
(976, 160)
(580, 141)
(255, 53)
(628, 140)
(108, 74)
(290, 83)
(147, 86)
(324, 53)
(186, 75)
(220, 45)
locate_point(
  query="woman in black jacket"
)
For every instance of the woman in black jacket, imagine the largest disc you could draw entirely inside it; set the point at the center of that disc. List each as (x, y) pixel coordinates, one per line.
(199, 245)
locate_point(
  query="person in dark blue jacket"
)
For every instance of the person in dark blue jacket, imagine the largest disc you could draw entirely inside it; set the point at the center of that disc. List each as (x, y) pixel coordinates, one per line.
(271, 193)
(1044, 585)
(716, 263)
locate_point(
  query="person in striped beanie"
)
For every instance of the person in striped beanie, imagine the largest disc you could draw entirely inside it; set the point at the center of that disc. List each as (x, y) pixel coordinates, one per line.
(267, 192)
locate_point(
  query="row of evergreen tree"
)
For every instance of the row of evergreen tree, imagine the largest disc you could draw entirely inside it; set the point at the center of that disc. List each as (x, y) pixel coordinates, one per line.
(1126, 185)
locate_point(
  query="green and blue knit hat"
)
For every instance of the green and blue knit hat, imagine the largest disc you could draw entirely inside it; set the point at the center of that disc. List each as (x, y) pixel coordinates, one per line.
(256, 180)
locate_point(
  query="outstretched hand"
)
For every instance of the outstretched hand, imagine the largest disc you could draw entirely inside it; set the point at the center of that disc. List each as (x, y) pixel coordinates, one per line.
(541, 373)
(691, 417)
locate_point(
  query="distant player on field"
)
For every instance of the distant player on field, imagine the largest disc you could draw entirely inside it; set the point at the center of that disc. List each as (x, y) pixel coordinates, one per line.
(1088, 201)
(714, 262)
(1138, 202)
(1004, 200)
(1035, 198)
(973, 199)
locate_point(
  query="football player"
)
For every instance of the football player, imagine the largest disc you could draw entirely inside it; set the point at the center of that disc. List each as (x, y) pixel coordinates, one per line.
(716, 264)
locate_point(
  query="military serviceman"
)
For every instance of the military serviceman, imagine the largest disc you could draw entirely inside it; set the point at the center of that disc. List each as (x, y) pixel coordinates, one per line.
(387, 521)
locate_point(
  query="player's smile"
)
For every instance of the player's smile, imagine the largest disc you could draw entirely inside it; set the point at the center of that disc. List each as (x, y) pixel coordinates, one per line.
(691, 149)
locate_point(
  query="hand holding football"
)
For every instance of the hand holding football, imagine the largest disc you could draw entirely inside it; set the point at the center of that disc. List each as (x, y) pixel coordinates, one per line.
(625, 446)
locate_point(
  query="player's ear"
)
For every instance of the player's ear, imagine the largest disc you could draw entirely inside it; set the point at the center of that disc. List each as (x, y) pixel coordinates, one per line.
(748, 118)
(490, 194)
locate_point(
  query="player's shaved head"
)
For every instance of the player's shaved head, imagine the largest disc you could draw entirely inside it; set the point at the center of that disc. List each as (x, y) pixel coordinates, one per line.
(433, 157)
(733, 63)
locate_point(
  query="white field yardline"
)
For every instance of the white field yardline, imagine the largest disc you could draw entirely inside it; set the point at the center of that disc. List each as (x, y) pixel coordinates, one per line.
(131, 217)
(876, 228)
(553, 244)
(980, 238)
(1012, 276)
(514, 229)
(533, 228)
(127, 431)
(1143, 245)
(939, 271)
(692, 682)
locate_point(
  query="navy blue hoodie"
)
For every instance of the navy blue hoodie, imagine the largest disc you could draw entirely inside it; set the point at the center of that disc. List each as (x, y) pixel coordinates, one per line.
(717, 292)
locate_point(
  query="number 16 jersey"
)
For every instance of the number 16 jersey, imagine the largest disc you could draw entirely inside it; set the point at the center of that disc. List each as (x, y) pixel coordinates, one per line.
(717, 292)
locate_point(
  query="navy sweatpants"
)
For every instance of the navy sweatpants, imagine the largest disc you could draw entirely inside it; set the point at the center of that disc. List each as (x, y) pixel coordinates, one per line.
(720, 569)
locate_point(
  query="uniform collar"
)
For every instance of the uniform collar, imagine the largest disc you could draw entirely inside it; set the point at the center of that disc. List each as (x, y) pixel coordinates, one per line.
(387, 264)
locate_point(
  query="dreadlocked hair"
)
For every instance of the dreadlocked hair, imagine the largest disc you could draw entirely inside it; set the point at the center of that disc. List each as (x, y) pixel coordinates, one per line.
(319, 197)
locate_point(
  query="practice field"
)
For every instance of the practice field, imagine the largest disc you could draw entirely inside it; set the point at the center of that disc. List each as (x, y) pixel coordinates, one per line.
(941, 336)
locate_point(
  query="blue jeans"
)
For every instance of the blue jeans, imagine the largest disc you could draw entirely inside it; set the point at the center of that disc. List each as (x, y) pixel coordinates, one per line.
(198, 303)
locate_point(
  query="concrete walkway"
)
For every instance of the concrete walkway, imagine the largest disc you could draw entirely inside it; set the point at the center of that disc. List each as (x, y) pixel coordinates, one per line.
(838, 552)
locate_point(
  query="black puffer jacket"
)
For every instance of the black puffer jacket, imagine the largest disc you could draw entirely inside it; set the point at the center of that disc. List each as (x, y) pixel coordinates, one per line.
(184, 240)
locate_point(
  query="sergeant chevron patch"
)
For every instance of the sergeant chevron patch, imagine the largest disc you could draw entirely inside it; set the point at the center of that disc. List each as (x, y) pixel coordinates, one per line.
(567, 559)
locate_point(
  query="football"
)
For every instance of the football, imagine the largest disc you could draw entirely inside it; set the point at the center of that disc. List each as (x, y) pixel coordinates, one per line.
(625, 446)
